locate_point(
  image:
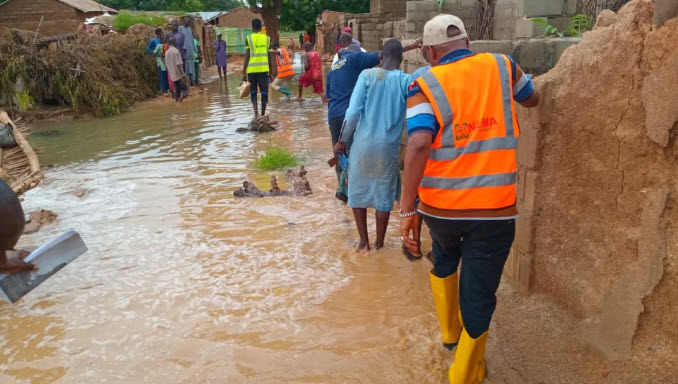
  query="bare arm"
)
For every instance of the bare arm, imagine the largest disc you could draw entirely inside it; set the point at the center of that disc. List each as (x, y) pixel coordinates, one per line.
(272, 64)
(532, 101)
(416, 44)
(416, 157)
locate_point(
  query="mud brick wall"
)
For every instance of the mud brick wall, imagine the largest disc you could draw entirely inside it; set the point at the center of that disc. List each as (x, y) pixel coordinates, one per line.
(238, 18)
(597, 186)
(59, 18)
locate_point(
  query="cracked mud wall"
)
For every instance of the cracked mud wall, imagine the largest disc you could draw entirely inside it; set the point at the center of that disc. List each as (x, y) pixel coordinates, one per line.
(598, 170)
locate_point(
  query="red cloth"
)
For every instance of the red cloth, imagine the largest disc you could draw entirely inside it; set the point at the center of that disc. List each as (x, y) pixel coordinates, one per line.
(314, 73)
(306, 80)
(315, 66)
(171, 83)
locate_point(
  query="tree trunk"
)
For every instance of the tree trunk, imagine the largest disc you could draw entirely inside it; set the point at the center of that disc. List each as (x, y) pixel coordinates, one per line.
(272, 23)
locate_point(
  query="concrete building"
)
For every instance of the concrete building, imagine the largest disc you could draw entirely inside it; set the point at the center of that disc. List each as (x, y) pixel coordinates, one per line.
(58, 16)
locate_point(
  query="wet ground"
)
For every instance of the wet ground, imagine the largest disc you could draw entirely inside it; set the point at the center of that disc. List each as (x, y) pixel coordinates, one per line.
(183, 282)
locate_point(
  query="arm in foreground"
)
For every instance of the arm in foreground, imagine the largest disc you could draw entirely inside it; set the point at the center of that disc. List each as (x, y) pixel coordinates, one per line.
(416, 157)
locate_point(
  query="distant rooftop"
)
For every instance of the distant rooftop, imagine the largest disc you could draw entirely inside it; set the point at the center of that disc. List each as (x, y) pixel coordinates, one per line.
(88, 6)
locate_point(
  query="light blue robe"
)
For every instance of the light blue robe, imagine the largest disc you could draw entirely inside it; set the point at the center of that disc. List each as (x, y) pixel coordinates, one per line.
(375, 119)
(190, 51)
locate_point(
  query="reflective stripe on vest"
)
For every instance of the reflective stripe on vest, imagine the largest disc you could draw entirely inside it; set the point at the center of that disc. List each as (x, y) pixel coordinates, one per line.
(472, 161)
(285, 68)
(258, 44)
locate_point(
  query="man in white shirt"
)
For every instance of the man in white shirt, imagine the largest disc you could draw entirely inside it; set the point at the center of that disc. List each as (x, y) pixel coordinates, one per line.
(345, 40)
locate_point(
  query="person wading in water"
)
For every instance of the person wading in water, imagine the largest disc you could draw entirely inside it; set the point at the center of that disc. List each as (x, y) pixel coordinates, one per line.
(258, 65)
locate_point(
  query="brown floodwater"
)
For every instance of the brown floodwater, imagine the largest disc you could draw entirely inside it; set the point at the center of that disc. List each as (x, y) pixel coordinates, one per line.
(185, 283)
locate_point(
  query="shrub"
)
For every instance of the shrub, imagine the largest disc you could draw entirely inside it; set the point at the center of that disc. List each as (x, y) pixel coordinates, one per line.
(276, 158)
(577, 25)
(125, 20)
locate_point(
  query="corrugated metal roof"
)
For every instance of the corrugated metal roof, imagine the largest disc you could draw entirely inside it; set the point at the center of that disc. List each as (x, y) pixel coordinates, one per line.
(208, 16)
(88, 6)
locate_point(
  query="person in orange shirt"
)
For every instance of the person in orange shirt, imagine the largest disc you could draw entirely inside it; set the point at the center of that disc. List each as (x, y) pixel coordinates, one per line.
(307, 37)
(285, 72)
(461, 162)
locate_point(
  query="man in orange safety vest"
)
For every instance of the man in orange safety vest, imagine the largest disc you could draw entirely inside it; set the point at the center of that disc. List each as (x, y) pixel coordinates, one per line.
(285, 71)
(461, 163)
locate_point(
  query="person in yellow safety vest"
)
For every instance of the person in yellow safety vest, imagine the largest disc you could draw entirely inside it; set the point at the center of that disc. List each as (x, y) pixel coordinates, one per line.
(285, 71)
(461, 162)
(257, 68)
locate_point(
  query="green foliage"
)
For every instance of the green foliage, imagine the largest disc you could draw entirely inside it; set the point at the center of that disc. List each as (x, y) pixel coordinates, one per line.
(577, 25)
(174, 5)
(549, 30)
(125, 20)
(111, 108)
(440, 5)
(25, 100)
(301, 14)
(276, 158)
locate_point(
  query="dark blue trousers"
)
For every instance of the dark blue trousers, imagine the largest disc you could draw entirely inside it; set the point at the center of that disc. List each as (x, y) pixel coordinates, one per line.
(482, 246)
(164, 81)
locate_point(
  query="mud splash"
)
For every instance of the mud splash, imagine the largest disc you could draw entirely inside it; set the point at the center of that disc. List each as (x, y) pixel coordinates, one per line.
(186, 283)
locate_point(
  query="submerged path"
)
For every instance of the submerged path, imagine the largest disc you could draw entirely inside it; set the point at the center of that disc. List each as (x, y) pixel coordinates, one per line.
(185, 283)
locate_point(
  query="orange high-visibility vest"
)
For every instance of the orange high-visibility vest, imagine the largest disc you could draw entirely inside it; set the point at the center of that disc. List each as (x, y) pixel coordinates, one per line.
(472, 164)
(284, 64)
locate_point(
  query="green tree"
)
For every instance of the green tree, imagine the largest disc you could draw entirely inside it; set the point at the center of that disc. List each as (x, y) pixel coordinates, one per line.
(174, 5)
(301, 15)
(269, 11)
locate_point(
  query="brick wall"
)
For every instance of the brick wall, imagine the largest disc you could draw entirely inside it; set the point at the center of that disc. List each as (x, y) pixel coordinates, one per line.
(394, 7)
(59, 18)
(238, 18)
(512, 17)
(371, 29)
(419, 12)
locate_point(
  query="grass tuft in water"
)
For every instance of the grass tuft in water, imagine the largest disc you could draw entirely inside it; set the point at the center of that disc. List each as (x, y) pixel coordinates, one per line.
(276, 158)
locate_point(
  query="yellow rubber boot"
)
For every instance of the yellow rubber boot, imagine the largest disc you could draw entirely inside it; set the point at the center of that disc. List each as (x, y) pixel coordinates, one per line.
(446, 300)
(469, 361)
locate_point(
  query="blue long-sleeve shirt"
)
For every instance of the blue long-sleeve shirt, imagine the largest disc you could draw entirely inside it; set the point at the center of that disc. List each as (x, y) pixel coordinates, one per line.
(150, 48)
(342, 78)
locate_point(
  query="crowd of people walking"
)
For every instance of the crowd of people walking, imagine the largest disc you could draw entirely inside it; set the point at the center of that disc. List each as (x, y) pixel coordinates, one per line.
(459, 116)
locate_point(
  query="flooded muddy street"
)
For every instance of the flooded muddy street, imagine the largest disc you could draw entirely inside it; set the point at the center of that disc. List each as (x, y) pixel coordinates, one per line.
(185, 283)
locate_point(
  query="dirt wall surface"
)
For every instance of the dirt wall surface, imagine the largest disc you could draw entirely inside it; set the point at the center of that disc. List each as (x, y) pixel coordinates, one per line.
(237, 18)
(597, 187)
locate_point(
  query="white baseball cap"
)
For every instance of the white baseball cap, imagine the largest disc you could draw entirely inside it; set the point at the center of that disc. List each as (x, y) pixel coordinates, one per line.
(435, 30)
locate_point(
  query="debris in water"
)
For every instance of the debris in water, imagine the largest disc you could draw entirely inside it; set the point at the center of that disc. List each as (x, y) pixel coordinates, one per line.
(80, 192)
(260, 124)
(39, 219)
(300, 186)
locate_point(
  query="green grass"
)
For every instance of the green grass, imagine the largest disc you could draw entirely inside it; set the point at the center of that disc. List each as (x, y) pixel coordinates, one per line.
(126, 20)
(276, 158)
